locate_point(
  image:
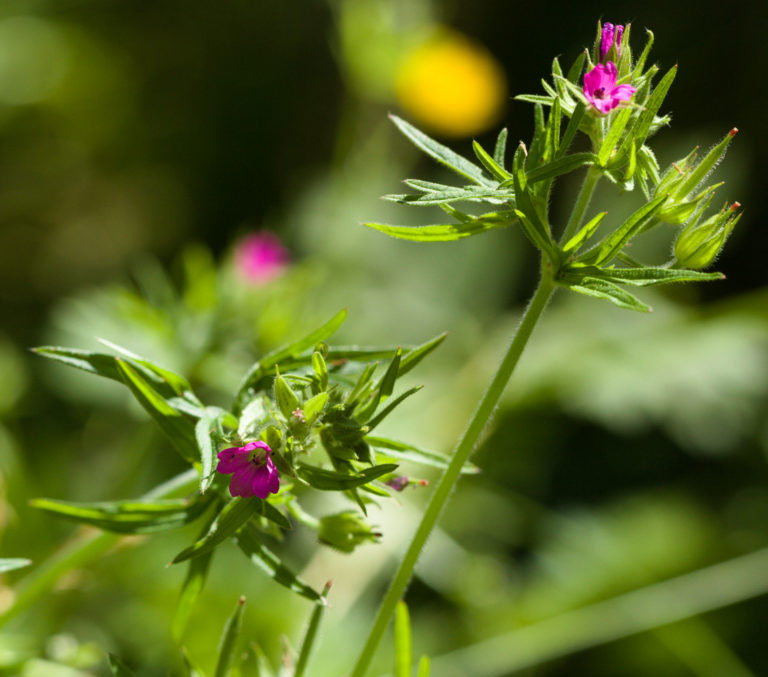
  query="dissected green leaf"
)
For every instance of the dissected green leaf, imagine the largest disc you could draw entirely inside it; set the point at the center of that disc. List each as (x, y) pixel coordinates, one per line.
(442, 232)
(563, 165)
(584, 233)
(602, 289)
(267, 561)
(449, 195)
(441, 153)
(498, 172)
(571, 129)
(643, 277)
(330, 480)
(233, 516)
(412, 356)
(620, 121)
(178, 429)
(372, 423)
(409, 452)
(128, 517)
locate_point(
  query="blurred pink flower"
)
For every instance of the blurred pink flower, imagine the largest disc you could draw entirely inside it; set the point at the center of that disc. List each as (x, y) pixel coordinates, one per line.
(610, 35)
(601, 90)
(260, 257)
(253, 471)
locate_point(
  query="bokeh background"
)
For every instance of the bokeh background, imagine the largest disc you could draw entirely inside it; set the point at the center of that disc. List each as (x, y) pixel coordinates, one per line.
(140, 141)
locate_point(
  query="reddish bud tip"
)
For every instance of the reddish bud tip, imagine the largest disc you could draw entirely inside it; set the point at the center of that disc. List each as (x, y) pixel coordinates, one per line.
(733, 132)
(423, 483)
(735, 206)
(241, 601)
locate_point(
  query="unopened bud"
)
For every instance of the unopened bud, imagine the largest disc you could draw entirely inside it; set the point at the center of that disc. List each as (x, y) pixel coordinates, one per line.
(699, 244)
(345, 531)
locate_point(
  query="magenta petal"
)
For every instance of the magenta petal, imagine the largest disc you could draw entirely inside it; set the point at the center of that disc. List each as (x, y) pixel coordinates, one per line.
(273, 483)
(260, 482)
(606, 39)
(231, 460)
(622, 93)
(242, 481)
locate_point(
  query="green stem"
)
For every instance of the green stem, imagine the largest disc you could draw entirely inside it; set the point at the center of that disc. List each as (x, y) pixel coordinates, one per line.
(460, 456)
(581, 204)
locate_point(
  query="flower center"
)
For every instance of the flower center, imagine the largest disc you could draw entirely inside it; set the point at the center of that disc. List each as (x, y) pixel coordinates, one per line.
(256, 458)
(599, 93)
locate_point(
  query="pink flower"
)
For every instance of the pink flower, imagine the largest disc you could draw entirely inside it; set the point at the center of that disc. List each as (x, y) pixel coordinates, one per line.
(601, 90)
(610, 35)
(261, 256)
(253, 472)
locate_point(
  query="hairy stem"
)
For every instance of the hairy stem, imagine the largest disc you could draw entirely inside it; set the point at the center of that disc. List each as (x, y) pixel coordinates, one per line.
(581, 204)
(461, 455)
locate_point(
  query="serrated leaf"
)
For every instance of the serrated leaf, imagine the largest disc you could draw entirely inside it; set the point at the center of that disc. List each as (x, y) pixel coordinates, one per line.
(179, 430)
(228, 641)
(11, 563)
(231, 518)
(442, 154)
(408, 452)
(330, 480)
(606, 290)
(127, 517)
(268, 562)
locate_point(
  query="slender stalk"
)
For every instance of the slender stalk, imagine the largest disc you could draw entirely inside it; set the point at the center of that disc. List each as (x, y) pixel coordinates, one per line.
(581, 204)
(461, 455)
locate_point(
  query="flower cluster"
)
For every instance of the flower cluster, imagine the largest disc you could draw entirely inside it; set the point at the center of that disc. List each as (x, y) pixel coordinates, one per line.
(600, 86)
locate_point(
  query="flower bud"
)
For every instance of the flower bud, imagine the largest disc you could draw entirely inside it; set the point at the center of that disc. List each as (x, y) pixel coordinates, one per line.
(610, 39)
(699, 244)
(345, 531)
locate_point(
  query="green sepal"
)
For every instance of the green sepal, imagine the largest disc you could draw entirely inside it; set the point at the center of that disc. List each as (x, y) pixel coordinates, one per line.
(602, 289)
(703, 168)
(248, 541)
(128, 517)
(287, 400)
(498, 172)
(442, 154)
(383, 390)
(408, 452)
(330, 480)
(320, 368)
(228, 641)
(314, 407)
(179, 430)
(232, 516)
(264, 368)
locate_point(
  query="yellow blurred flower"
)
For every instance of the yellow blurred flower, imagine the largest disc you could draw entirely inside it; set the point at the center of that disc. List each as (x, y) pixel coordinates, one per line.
(452, 85)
